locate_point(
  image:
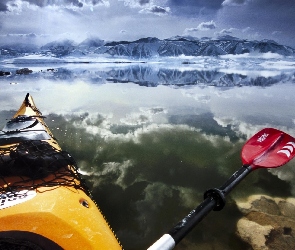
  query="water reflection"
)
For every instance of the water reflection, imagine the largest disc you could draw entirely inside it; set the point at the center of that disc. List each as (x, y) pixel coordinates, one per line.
(148, 154)
(151, 75)
(146, 183)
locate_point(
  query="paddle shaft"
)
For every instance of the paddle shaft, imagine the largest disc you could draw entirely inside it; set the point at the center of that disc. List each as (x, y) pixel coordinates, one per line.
(214, 200)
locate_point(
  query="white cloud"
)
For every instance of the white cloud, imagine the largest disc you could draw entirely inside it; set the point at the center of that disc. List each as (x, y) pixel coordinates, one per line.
(202, 98)
(136, 3)
(207, 25)
(15, 6)
(117, 168)
(136, 119)
(145, 116)
(234, 2)
(157, 10)
(247, 29)
(276, 32)
(227, 31)
(147, 6)
(204, 26)
(190, 30)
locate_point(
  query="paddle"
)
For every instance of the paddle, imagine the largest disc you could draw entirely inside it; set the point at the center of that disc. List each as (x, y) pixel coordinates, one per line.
(269, 148)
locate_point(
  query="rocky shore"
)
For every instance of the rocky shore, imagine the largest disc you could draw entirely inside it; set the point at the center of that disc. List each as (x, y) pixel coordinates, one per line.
(268, 223)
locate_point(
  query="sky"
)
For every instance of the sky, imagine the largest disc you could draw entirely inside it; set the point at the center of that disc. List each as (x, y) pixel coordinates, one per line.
(42, 21)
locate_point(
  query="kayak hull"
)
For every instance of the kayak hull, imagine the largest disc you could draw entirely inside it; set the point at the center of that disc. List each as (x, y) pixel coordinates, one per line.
(55, 215)
(60, 215)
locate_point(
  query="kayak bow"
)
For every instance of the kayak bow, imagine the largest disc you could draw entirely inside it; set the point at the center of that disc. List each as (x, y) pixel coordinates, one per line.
(44, 203)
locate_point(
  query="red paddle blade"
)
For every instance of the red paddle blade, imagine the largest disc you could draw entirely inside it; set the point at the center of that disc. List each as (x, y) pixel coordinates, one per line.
(269, 148)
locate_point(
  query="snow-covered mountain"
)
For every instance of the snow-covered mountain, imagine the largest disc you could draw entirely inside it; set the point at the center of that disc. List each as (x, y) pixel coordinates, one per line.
(59, 48)
(150, 47)
(142, 48)
(190, 46)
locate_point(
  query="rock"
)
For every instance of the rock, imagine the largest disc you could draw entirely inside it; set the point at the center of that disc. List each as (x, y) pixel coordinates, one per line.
(24, 71)
(4, 73)
(268, 223)
(287, 207)
(266, 205)
(253, 233)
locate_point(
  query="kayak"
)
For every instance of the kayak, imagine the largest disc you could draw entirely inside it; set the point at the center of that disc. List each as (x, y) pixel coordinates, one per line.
(44, 202)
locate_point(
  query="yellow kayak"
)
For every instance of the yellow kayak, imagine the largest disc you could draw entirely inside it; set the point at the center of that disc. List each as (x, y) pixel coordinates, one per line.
(44, 202)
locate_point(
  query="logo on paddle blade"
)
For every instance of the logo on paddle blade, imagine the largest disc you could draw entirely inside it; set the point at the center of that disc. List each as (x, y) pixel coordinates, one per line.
(288, 149)
(262, 137)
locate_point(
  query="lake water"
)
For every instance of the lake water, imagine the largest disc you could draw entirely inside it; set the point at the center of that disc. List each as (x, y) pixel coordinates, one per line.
(151, 138)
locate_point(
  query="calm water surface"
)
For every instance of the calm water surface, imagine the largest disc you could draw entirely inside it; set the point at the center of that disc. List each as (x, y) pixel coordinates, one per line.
(150, 140)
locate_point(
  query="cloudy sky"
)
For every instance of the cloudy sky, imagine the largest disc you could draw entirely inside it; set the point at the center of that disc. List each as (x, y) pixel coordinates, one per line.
(46, 20)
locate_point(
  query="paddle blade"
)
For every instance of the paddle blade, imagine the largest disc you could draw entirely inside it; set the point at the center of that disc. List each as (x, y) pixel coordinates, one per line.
(269, 148)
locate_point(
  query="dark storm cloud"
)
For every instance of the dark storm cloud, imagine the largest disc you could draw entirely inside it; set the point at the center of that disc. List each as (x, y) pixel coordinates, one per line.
(265, 17)
(210, 4)
(259, 10)
(194, 7)
(143, 2)
(3, 5)
(6, 4)
(277, 4)
(158, 9)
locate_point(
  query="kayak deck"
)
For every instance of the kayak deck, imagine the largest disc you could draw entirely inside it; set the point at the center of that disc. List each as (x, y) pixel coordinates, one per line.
(43, 200)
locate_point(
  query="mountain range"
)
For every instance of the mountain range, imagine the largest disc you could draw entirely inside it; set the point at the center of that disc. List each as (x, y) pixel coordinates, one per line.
(149, 47)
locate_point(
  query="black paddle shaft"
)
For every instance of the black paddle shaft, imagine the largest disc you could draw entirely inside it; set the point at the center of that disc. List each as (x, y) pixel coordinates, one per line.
(214, 200)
